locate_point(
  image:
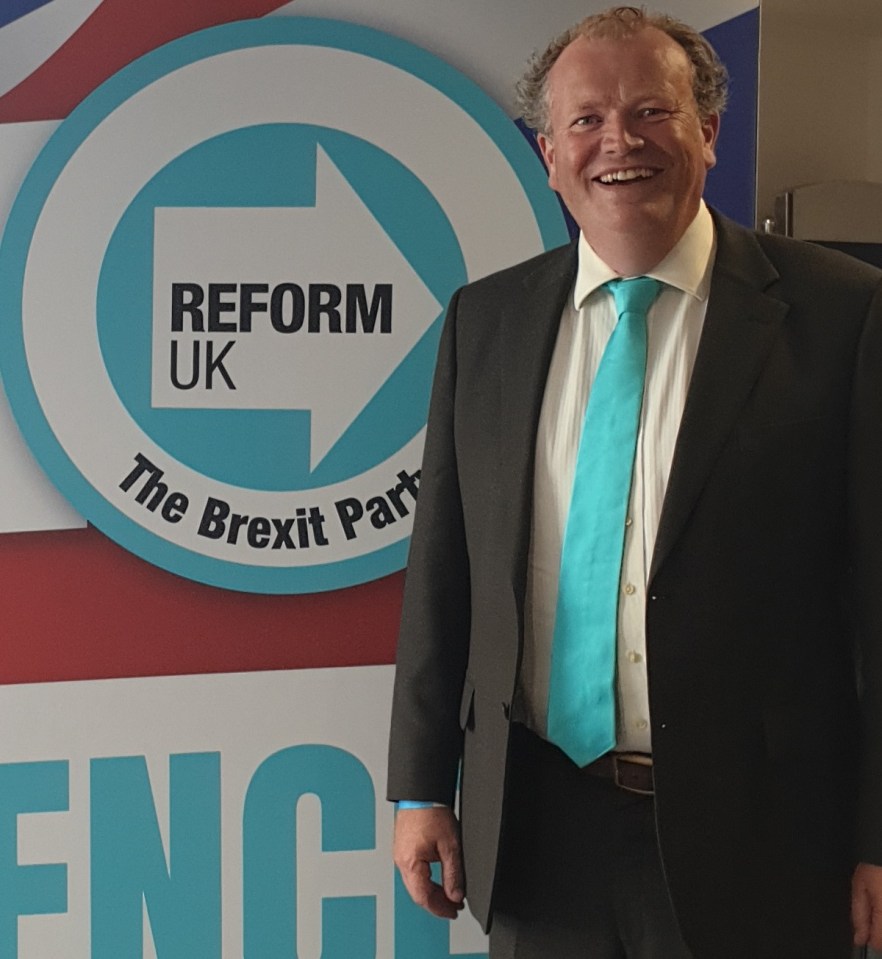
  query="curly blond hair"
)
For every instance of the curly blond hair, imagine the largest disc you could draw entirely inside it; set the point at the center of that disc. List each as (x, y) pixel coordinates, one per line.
(709, 77)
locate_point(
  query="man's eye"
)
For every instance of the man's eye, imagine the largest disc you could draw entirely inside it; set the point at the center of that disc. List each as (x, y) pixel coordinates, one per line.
(588, 121)
(653, 113)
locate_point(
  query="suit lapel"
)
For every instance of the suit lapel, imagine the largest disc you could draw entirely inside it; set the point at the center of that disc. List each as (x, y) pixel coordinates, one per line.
(530, 329)
(740, 326)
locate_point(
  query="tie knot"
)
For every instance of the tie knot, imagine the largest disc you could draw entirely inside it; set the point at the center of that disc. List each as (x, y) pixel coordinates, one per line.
(634, 295)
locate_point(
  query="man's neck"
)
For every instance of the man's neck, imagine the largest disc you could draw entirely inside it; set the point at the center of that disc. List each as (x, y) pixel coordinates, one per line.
(685, 267)
(626, 257)
(632, 254)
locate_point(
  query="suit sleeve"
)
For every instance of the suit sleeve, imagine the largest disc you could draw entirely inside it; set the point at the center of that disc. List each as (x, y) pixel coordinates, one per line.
(426, 736)
(865, 468)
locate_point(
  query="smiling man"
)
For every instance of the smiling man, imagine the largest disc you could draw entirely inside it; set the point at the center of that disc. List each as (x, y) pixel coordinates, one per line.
(626, 144)
(643, 614)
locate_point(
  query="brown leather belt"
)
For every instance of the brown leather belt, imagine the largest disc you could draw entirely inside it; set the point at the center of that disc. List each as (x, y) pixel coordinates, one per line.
(629, 771)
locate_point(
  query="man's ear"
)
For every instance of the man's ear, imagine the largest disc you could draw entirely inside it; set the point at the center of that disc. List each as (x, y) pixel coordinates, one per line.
(710, 130)
(546, 148)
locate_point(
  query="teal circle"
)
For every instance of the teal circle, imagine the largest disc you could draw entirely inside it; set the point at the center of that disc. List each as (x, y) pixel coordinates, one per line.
(402, 400)
(269, 449)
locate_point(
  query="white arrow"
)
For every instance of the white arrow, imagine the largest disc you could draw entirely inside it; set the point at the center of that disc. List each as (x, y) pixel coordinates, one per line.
(338, 245)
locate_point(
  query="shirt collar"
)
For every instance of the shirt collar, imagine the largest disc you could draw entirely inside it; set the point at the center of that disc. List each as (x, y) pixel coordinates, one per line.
(687, 267)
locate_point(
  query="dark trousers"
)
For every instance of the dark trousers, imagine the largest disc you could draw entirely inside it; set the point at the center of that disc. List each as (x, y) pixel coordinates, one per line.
(580, 875)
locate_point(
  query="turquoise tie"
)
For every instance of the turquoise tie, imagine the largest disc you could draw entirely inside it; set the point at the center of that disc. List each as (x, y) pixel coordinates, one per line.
(581, 692)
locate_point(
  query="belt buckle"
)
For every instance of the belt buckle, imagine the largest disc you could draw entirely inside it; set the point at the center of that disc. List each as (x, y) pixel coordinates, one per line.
(634, 759)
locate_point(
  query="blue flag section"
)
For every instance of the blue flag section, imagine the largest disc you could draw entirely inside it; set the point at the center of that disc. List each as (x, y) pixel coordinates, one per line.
(730, 184)
(13, 9)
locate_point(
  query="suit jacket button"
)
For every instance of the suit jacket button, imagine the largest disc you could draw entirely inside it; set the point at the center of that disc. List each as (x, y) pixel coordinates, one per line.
(506, 710)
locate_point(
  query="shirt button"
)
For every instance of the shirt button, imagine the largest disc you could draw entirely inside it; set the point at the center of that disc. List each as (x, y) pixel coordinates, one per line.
(630, 589)
(641, 724)
(634, 656)
(628, 521)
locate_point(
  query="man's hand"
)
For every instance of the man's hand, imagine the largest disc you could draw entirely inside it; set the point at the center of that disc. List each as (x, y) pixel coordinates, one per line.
(424, 836)
(866, 905)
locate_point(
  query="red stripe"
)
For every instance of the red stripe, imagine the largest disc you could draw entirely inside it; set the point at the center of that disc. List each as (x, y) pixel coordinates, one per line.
(77, 606)
(118, 32)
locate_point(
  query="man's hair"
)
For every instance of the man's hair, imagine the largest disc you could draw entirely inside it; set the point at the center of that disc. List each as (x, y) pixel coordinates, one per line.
(709, 76)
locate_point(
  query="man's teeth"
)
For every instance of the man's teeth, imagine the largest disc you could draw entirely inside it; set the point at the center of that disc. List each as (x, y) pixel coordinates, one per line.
(621, 176)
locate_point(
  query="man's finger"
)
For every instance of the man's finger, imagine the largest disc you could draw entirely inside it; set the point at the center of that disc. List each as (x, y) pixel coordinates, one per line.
(860, 917)
(452, 873)
(875, 934)
(866, 905)
(428, 894)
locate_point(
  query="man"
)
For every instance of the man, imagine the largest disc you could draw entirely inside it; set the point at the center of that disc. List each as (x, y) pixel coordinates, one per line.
(738, 814)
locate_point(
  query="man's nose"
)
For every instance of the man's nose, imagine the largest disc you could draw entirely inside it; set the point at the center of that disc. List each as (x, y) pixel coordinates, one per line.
(620, 136)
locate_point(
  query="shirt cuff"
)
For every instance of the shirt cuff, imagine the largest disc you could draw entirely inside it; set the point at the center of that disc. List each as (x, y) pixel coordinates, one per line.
(416, 804)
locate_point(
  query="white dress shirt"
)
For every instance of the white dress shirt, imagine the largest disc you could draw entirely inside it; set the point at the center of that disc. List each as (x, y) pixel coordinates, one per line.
(674, 325)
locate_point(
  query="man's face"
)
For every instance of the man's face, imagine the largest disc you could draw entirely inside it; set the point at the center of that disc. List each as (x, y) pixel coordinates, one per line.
(627, 151)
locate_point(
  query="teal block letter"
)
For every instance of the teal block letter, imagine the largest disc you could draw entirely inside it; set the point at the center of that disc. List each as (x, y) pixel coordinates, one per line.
(346, 792)
(129, 865)
(30, 890)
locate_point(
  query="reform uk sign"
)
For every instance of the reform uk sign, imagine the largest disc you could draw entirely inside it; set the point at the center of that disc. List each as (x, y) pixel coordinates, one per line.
(222, 285)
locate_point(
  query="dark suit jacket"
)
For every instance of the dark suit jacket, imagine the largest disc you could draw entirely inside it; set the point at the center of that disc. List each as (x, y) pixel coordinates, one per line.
(765, 593)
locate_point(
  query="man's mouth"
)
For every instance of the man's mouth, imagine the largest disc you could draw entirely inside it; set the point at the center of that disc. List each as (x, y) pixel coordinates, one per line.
(627, 176)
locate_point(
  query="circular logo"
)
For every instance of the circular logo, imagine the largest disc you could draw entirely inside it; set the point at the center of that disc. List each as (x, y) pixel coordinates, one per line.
(222, 286)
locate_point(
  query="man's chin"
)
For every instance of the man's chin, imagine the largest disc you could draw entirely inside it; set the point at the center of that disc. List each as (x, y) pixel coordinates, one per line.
(638, 222)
